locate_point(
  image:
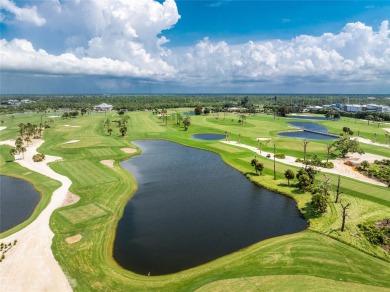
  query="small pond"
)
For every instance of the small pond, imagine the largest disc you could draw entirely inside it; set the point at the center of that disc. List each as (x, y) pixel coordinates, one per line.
(18, 200)
(191, 208)
(305, 133)
(209, 136)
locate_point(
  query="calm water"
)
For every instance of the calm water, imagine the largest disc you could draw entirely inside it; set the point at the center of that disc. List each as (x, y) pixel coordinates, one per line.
(191, 208)
(18, 200)
(209, 136)
(307, 135)
(309, 118)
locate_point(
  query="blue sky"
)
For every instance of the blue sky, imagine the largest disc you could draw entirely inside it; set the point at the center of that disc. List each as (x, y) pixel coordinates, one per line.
(194, 46)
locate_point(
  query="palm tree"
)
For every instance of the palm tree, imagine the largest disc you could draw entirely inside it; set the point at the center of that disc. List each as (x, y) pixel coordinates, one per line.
(123, 130)
(22, 149)
(304, 142)
(186, 122)
(13, 151)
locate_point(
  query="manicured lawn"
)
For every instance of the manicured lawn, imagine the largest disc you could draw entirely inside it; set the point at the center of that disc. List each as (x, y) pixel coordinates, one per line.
(82, 213)
(84, 172)
(319, 258)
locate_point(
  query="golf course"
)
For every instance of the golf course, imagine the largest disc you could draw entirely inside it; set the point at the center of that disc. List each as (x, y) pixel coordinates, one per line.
(88, 151)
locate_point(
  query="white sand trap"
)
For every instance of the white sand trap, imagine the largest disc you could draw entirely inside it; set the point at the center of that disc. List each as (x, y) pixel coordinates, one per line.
(70, 199)
(31, 266)
(129, 150)
(109, 163)
(2, 128)
(73, 239)
(71, 126)
(263, 139)
(387, 129)
(54, 116)
(368, 141)
(71, 142)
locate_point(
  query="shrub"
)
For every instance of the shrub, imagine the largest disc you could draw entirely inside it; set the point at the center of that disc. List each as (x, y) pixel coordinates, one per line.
(280, 156)
(38, 157)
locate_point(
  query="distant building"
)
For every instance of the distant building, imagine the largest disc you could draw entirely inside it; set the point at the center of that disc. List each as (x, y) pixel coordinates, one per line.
(353, 108)
(103, 107)
(25, 101)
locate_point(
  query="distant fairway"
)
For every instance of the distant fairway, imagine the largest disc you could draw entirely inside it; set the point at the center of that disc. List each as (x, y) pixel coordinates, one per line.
(101, 152)
(85, 173)
(83, 213)
(286, 283)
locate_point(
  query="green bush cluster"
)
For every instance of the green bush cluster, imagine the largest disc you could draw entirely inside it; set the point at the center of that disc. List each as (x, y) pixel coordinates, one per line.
(374, 234)
(379, 170)
(316, 162)
(38, 157)
(280, 156)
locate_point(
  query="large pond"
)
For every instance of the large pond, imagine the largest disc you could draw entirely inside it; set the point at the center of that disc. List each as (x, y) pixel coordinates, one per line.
(191, 208)
(18, 200)
(307, 134)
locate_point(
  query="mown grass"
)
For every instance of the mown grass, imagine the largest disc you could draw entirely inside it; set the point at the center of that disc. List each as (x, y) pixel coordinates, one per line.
(82, 213)
(322, 254)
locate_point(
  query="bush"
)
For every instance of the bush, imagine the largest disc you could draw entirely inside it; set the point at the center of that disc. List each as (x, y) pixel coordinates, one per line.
(38, 157)
(280, 156)
(375, 235)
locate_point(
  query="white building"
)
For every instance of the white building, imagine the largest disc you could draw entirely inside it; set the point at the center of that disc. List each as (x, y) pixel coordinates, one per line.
(353, 108)
(103, 107)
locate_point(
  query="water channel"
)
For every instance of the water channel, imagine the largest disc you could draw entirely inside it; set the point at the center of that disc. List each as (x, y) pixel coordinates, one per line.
(191, 208)
(18, 200)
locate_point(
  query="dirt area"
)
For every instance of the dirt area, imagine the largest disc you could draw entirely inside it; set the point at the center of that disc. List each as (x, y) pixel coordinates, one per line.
(70, 199)
(109, 163)
(40, 272)
(129, 150)
(73, 239)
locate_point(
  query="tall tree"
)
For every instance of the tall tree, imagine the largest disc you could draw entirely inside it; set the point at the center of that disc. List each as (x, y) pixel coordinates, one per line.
(344, 214)
(186, 122)
(289, 174)
(345, 145)
(304, 143)
(338, 192)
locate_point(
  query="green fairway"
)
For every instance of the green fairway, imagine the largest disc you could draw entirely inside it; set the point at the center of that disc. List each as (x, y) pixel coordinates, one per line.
(321, 258)
(84, 172)
(82, 213)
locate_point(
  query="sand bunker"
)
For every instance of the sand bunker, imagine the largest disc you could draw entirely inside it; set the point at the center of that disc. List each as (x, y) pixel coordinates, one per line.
(71, 126)
(263, 139)
(129, 150)
(70, 199)
(73, 239)
(54, 116)
(109, 163)
(71, 141)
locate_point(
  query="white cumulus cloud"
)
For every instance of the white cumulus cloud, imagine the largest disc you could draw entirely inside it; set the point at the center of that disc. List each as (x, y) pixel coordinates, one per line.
(25, 14)
(357, 52)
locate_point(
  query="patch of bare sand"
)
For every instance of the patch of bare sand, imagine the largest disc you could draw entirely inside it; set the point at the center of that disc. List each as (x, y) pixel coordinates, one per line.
(71, 126)
(70, 199)
(40, 272)
(109, 163)
(71, 142)
(73, 239)
(2, 128)
(129, 150)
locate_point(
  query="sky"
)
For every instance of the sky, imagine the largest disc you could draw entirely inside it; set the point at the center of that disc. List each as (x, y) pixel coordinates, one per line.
(194, 46)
